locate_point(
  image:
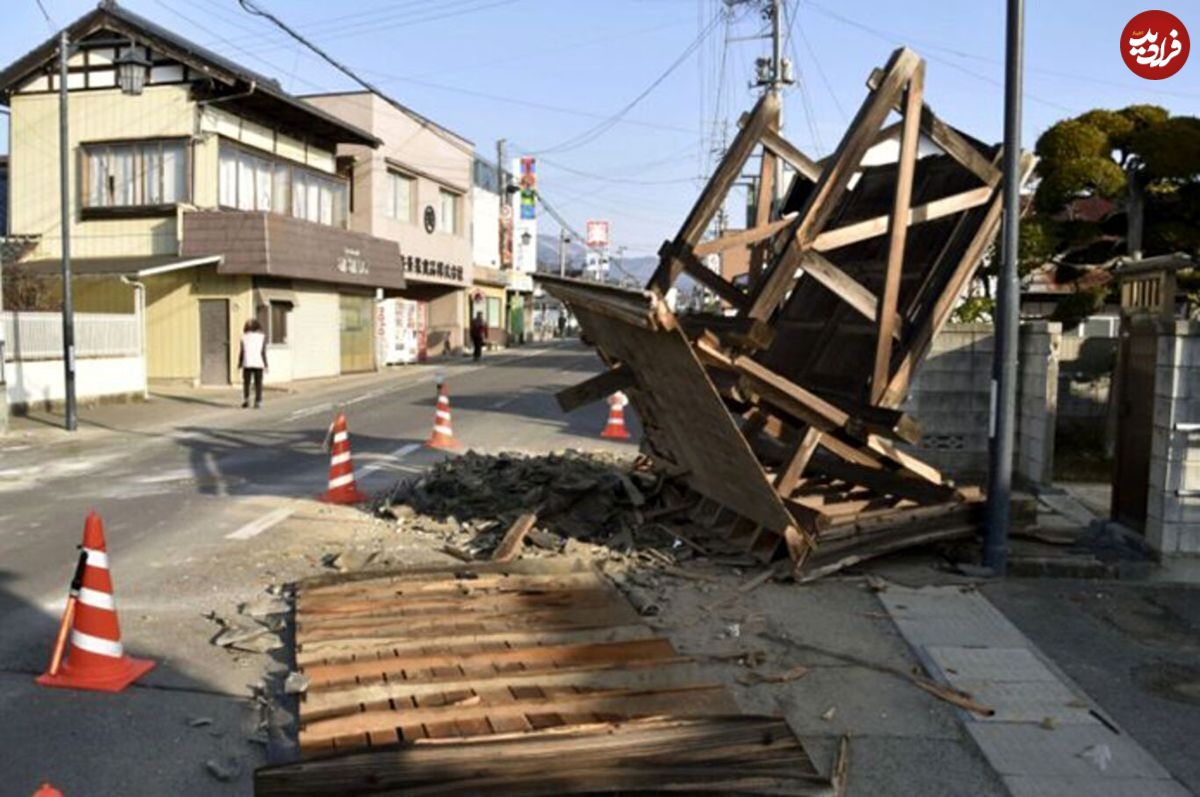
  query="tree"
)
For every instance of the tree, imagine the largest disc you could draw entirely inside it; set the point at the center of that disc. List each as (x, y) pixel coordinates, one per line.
(1141, 155)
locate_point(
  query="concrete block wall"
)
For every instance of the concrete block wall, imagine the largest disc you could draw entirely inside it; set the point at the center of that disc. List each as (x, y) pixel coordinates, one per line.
(1173, 505)
(951, 398)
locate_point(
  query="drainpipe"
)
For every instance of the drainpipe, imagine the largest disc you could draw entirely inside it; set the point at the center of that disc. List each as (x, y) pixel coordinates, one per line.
(139, 313)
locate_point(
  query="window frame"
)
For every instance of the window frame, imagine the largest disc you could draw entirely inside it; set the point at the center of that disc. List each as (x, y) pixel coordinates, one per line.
(394, 176)
(455, 228)
(340, 213)
(86, 149)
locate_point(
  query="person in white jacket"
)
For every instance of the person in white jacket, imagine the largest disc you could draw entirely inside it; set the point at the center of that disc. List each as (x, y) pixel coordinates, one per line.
(252, 359)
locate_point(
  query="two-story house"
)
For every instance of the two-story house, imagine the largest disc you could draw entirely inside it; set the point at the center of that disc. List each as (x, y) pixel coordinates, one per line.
(413, 188)
(203, 197)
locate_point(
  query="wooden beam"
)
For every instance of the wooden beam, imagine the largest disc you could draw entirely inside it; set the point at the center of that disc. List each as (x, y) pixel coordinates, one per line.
(790, 397)
(742, 237)
(872, 228)
(949, 140)
(765, 113)
(935, 318)
(845, 287)
(833, 181)
(727, 291)
(775, 143)
(513, 538)
(764, 204)
(898, 232)
(789, 477)
(886, 482)
(905, 460)
(598, 387)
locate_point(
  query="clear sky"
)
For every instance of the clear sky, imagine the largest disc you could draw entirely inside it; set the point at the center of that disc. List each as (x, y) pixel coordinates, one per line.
(548, 75)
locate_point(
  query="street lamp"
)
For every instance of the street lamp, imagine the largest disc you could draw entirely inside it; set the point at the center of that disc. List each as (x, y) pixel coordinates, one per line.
(131, 71)
(132, 68)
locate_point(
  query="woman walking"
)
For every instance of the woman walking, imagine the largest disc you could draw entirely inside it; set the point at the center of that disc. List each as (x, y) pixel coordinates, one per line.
(252, 359)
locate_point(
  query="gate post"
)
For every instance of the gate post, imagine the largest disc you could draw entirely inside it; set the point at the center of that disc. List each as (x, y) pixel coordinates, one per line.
(1173, 505)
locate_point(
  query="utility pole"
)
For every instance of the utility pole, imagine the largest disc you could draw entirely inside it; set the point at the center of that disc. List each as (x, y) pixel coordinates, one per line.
(562, 252)
(502, 188)
(1004, 362)
(68, 308)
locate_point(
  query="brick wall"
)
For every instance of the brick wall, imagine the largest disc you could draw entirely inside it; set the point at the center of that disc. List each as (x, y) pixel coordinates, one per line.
(1173, 505)
(951, 399)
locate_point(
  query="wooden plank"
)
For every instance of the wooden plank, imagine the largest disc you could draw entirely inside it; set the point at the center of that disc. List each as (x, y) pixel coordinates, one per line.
(950, 141)
(624, 674)
(898, 232)
(513, 538)
(765, 114)
(789, 477)
(334, 651)
(845, 287)
(905, 460)
(336, 583)
(764, 205)
(886, 482)
(691, 700)
(596, 388)
(322, 675)
(871, 228)
(790, 397)
(743, 237)
(833, 181)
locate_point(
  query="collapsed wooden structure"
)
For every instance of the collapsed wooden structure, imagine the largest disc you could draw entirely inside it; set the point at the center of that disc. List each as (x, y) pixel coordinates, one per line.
(784, 410)
(534, 677)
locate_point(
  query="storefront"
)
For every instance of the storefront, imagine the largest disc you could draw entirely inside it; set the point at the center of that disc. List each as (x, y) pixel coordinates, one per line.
(489, 296)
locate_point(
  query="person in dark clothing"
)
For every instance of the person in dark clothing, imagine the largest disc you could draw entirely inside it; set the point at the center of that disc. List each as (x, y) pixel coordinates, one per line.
(252, 359)
(478, 334)
(562, 324)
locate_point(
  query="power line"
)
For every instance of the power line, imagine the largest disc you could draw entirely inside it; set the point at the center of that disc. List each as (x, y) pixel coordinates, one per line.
(600, 129)
(428, 124)
(45, 15)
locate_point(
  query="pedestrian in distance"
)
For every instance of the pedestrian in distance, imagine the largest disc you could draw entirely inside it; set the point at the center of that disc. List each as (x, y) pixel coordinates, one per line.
(478, 334)
(252, 359)
(562, 325)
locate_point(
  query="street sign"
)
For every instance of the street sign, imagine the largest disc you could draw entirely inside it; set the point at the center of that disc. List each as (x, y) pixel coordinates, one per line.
(597, 234)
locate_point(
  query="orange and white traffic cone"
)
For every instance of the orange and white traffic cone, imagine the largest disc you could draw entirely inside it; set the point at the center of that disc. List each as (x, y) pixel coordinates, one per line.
(443, 431)
(342, 487)
(616, 417)
(47, 791)
(96, 659)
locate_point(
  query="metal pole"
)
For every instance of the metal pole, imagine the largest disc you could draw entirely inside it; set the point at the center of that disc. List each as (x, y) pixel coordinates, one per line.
(562, 253)
(502, 188)
(68, 308)
(777, 49)
(1004, 363)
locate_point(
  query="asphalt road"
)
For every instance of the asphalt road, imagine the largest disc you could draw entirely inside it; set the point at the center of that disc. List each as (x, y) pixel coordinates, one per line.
(188, 505)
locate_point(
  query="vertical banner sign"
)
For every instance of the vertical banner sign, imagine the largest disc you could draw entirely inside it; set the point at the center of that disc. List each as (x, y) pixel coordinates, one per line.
(524, 223)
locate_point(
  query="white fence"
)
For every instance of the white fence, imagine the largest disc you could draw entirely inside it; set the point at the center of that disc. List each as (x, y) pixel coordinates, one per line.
(108, 357)
(38, 336)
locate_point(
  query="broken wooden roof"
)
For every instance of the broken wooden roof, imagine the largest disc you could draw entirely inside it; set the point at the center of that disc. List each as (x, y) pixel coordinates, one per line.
(785, 411)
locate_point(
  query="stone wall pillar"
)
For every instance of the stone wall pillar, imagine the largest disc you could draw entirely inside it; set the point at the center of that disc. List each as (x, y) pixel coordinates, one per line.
(1173, 504)
(1037, 401)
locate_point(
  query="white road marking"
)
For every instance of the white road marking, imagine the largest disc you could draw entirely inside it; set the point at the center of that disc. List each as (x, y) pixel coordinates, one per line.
(400, 453)
(256, 527)
(504, 402)
(314, 410)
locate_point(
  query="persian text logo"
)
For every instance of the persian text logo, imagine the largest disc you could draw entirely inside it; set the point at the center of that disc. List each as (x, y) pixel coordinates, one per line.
(1155, 45)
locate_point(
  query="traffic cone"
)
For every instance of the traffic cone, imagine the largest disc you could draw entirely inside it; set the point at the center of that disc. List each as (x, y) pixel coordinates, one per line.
(342, 487)
(96, 659)
(47, 790)
(616, 417)
(443, 431)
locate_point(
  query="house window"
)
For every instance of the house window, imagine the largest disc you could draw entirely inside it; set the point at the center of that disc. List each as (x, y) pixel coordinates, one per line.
(260, 182)
(274, 319)
(400, 196)
(140, 174)
(493, 316)
(449, 218)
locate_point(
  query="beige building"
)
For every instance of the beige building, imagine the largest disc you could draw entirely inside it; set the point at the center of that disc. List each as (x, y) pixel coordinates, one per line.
(207, 198)
(414, 188)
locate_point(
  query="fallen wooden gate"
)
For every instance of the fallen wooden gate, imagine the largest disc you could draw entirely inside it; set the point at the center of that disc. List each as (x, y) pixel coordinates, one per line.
(533, 677)
(784, 411)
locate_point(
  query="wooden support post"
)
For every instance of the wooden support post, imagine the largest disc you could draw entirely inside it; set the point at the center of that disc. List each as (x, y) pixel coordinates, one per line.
(898, 230)
(845, 287)
(727, 291)
(764, 202)
(765, 113)
(598, 387)
(833, 181)
(789, 477)
(743, 237)
(936, 209)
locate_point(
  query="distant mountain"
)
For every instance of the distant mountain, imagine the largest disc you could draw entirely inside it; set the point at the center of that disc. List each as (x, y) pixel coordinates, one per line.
(639, 268)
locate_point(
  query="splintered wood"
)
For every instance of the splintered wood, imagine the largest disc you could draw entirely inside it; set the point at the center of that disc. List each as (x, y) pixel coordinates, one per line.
(521, 678)
(783, 410)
